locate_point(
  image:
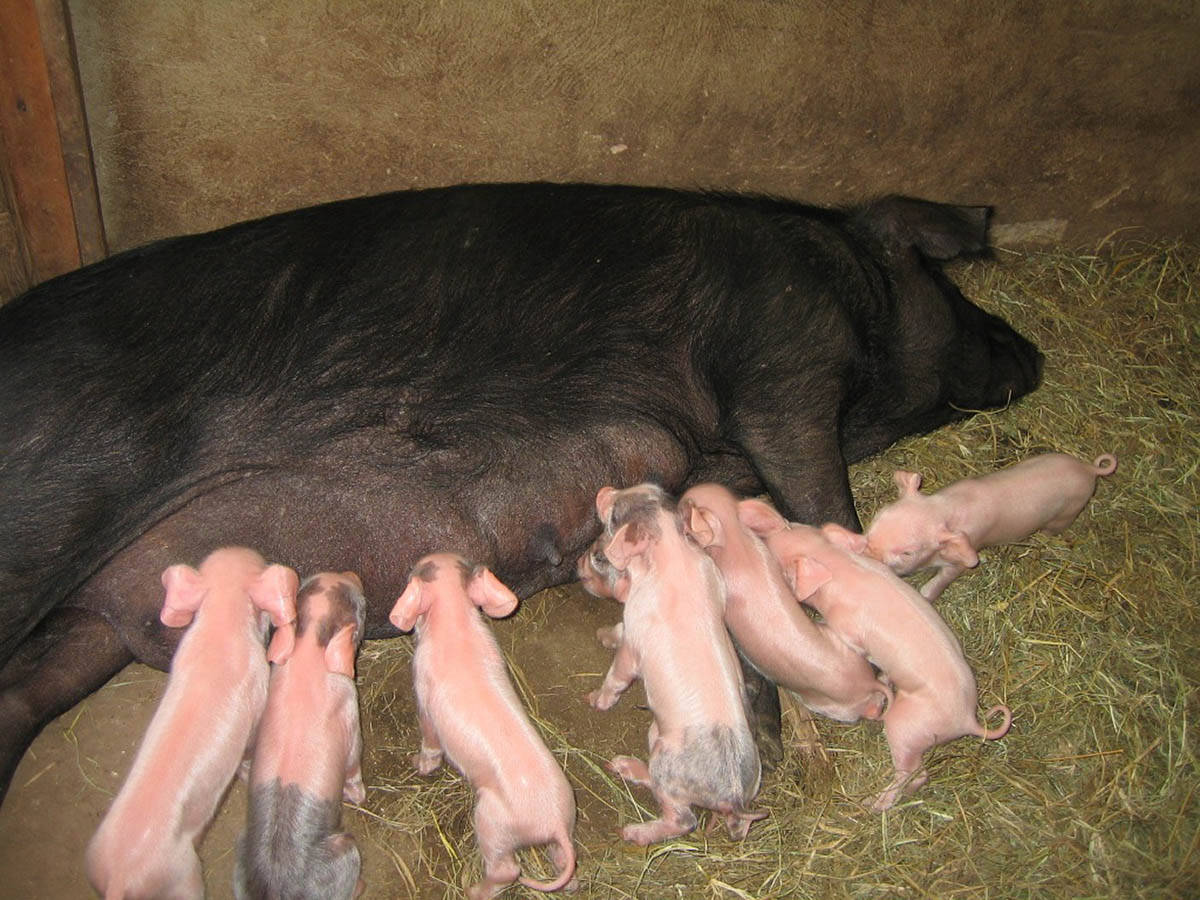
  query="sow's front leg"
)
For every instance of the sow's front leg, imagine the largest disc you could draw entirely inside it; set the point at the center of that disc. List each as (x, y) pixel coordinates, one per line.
(70, 654)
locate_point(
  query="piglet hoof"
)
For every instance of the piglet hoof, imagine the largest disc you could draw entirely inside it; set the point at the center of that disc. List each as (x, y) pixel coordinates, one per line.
(609, 637)
(738, 824)
(598, 699)
(354, 791)
(630, 769)
(427, 761)
(652, 832)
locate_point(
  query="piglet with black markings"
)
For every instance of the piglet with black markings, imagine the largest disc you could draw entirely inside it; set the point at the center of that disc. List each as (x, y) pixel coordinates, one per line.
(470, 713)
(673, 637)
(947, 529)
(307, 757)
(146, 845)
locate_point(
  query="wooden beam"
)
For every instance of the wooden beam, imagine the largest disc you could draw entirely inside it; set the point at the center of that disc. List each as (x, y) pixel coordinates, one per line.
(36, 158)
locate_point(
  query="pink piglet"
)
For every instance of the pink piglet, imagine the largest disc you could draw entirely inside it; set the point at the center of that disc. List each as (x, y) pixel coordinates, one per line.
(146, 845)
(470, 713)
(885, 619)
(947, 529)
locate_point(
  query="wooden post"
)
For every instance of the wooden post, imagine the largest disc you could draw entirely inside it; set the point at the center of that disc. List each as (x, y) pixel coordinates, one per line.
(46, 156)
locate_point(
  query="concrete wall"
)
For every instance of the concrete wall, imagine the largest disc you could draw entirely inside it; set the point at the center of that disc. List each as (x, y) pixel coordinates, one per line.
(1074, 119)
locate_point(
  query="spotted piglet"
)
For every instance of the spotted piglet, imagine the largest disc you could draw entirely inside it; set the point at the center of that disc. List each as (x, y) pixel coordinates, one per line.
(947, 529)
(307, 755)
(146, 845)
(470, 713)
(884, 618)
(673, 638)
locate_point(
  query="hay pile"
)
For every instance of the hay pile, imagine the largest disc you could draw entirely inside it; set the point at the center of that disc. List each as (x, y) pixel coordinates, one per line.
(1090, 637)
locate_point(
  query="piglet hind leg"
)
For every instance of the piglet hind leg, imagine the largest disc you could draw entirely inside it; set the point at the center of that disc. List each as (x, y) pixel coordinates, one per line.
(677, 819)
(429, 758)
(333, 869)
(494, 832)
(908, 738)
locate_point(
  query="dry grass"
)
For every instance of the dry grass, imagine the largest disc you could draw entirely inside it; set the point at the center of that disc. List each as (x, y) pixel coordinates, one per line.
(1091, 637)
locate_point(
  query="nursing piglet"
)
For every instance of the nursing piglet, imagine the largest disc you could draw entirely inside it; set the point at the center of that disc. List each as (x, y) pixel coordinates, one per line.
(307, 754)
(600, 579)
(947, 529)
(884, 618)
(674, 639)
(470, 713)
(146, 845)
(772, 630)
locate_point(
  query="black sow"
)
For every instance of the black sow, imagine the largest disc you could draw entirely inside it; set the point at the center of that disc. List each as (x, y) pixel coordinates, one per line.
(358, 384)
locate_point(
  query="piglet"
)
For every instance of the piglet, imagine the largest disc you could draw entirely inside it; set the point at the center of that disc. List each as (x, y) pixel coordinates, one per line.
(601, 579)
(146, 845)
(470, 713)
(307, 754)
(673, 637)
(949, 528)
(772, 630)
(884, 618)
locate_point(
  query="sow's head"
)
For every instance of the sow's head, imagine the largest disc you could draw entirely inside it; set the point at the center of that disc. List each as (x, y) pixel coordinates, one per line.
(947, 357)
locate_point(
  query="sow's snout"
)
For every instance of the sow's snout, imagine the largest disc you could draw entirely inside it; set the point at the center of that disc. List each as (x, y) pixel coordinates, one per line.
(995, 363)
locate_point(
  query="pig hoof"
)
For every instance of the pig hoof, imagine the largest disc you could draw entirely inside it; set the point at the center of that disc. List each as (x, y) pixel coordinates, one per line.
(630, 769)
(598, 700)
(427, 761)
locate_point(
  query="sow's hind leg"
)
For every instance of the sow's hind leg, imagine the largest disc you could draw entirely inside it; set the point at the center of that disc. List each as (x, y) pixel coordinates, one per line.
(71, 653)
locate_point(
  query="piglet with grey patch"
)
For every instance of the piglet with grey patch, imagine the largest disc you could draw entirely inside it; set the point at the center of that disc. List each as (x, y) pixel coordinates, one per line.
(771, 628)
(673, 637)
(949, 528)
(307, 757)
(146, 845)
(470, 713)
(884, 618)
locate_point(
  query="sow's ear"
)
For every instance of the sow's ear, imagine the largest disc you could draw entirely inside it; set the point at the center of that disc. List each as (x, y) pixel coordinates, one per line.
(185, 590)
(489, 594)
(936, 230)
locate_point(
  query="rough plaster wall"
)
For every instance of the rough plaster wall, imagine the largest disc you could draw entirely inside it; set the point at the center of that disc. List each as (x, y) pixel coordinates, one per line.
(1082, 116)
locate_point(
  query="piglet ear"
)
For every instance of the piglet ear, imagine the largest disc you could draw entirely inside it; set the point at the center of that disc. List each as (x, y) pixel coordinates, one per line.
(955, 549)
(489, 594)
(937, 230)
(909, 483)
(808, 577)
(843, 537)
(274, 592)
(760, 517)
(340, 651)
(412, 604)
(700, 524)
(283, 642)
(629, 541)
(185, 590)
